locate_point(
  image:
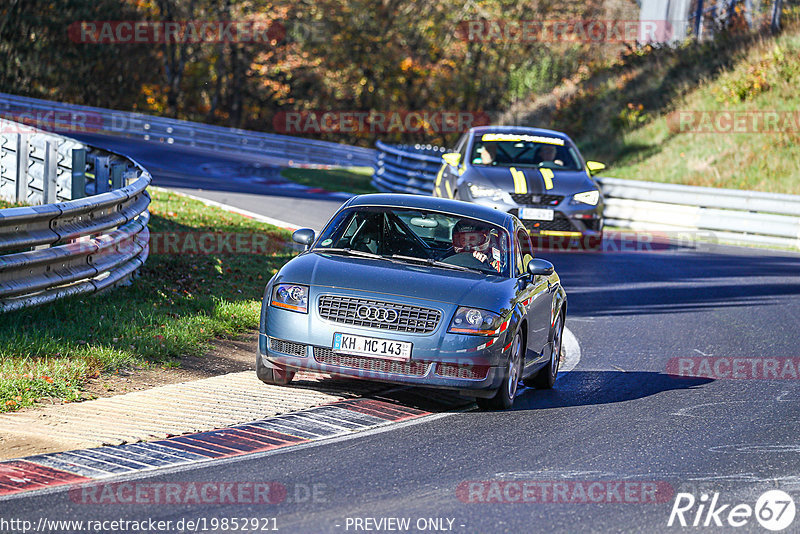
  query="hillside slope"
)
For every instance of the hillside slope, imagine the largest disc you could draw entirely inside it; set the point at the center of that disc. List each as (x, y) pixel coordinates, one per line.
(629, 114)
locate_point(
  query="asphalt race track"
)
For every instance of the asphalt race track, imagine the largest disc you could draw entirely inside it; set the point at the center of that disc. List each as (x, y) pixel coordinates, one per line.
(618, 421)
(238, 180)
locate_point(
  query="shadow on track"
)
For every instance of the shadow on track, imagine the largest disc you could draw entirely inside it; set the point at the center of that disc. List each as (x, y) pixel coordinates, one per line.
(675, 281)
(590, 388)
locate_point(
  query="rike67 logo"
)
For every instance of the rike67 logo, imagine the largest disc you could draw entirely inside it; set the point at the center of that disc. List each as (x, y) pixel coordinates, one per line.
(774, 510)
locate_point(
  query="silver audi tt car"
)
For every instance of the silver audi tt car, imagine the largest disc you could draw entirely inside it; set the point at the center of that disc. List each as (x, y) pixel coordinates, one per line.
(416, 290)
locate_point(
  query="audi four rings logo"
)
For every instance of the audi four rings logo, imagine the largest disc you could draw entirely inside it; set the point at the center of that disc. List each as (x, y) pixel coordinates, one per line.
(374, 313)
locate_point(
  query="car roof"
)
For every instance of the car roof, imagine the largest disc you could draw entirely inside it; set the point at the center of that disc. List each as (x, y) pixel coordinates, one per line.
(456, 207)
(478, 130)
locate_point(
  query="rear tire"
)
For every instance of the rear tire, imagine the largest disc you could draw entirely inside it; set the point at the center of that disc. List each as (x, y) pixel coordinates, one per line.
(272, 376)
(546, 377)
(504, 398)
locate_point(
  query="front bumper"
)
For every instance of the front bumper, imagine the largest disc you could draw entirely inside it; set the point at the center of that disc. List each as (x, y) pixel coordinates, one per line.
(570, 220)
(467, 363)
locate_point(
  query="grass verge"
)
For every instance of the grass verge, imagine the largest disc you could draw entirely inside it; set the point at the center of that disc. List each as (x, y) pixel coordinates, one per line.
(624, 113)
(356, 180)
(174, 308)
(764, 80)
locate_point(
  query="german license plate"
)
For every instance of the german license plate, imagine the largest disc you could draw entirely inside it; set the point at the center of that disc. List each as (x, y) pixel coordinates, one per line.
(370, 346)
(536, 214)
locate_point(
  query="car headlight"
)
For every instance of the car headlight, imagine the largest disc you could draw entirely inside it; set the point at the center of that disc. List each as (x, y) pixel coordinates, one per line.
(477, 322)
(290, 297)
(483, 191)
(588, 197)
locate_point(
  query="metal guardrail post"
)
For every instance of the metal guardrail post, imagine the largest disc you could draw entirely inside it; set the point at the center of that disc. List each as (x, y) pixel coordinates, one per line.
(78, 188)
(101, 170)
(23, 150)
(116, 176)
(50, 173)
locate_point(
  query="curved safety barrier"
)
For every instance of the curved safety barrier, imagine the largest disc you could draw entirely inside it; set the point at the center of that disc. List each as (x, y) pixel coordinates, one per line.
(406, 169)
(293, 151)
(76, 244)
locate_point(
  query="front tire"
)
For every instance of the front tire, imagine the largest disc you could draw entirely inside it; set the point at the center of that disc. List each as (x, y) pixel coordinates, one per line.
(546, 377)
(272, 376)
(505, 396)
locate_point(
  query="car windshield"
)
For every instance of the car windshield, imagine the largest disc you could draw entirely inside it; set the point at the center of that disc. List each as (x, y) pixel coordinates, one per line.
(506, 150)
(419, 236)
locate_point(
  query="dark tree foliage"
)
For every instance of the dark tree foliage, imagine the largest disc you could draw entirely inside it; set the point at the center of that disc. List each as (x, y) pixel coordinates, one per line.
(376, 56)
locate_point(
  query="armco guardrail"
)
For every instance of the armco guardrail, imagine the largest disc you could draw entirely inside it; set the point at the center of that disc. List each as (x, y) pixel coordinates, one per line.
(76, 244)
(294, 151)
(735, 216)
(406, 169)
(748, 217)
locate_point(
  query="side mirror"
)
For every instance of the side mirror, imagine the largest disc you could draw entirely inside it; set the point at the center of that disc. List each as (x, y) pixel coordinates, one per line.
(452, 158)
(540, 267)
(304, 236)
(595, 166)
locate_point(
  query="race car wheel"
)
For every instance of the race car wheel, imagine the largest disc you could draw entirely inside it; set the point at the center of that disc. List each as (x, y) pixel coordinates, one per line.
(504, 397)
(546, 377)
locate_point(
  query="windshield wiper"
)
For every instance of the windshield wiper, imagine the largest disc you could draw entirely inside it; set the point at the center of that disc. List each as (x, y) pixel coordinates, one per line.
(350, 252)
(429, 261)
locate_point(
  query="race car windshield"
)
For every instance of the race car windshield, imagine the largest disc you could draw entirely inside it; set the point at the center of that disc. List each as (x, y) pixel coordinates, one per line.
(521, 152)
(419, 236)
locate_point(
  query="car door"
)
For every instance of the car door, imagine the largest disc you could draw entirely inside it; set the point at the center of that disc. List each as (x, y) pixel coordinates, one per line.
(536, 299)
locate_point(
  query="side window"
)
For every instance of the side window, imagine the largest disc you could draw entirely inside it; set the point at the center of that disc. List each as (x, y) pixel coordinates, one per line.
(524, 250)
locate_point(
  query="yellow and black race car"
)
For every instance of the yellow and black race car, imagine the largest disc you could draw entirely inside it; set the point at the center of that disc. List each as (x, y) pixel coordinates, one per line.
(538, 175)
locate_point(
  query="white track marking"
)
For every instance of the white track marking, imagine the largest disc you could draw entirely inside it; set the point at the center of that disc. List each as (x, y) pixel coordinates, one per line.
(156, 471)
(572, 351)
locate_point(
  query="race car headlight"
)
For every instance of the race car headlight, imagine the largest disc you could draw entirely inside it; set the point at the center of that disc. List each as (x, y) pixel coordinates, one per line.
(482, 191)
(477, 322)
(290, 297)
(589, 197)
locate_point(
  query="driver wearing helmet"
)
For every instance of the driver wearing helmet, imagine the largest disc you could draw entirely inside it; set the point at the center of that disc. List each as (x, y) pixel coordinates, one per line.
(478, 240)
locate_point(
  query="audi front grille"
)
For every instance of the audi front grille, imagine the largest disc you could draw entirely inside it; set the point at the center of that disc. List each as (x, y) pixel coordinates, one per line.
(379, 365)
(379, 314)
(287, 347)
(468, 372)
